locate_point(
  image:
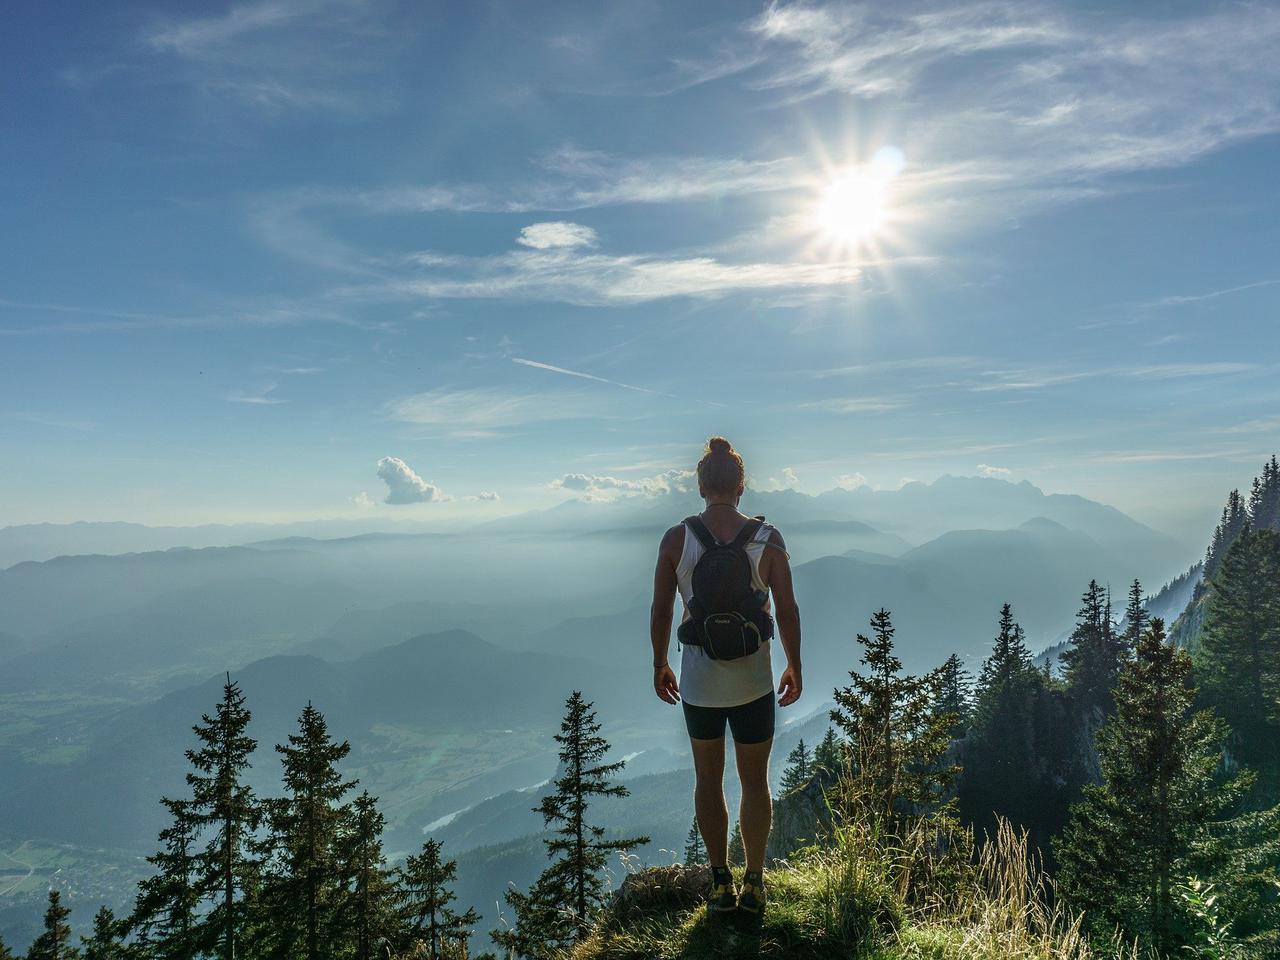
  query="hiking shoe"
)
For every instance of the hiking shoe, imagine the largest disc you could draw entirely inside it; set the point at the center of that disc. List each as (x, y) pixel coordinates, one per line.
(751, 897)
(724, 899)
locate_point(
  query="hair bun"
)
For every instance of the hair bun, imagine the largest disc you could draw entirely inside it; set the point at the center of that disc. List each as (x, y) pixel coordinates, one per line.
(719, 445)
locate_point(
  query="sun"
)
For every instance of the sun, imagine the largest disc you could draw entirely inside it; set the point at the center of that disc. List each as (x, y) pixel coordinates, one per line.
(854, 204)
(852, 207)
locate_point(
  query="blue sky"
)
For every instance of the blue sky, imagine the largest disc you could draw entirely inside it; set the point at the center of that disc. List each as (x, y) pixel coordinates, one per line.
(295, 258)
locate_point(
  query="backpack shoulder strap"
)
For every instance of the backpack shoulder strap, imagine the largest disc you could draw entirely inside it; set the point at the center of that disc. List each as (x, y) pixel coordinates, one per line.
(700, 531)
(748, 531)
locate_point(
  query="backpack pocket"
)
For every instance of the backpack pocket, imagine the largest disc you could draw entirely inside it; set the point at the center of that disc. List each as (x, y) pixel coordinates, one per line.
(730, 636)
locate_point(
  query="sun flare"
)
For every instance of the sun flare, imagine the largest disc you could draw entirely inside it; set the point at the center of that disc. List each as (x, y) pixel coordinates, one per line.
(853, 205)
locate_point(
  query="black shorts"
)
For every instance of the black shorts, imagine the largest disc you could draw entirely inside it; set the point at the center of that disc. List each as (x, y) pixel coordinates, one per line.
(749, 722)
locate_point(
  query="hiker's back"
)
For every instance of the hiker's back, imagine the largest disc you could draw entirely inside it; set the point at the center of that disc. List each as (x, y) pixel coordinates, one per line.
(704, 679)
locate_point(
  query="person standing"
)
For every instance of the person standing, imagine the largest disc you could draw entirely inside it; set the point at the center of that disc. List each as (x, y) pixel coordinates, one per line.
(733, 575)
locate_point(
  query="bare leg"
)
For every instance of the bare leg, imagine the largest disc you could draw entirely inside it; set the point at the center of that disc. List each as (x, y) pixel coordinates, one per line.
(708, 799)
(756, 812)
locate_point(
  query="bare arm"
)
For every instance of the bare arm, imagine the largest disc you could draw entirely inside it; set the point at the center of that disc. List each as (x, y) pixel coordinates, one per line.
(786, 613)
(661, 614)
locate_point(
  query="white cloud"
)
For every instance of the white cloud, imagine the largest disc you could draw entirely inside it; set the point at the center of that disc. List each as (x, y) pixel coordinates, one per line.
(363, 500)
(986, 470)
(485, 496)
(851, 481)
(557, 233)
(788, 481)
(596, 487)
(405, 486)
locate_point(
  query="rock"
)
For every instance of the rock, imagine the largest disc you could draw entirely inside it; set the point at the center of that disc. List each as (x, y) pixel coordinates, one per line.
(658, 889)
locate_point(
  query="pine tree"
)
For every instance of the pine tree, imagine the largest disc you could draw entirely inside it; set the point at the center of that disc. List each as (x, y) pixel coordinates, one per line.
(1093, 658)
(304, 890)
(1135, 835)
(164, 919)
(954, 696)
(107, 940)
(371, 900)
(1238, 664)
(1136, 618)
(55, 942)
(1004, 674)
(1234, 516)
(1003, 776)
(694, 851)
(897, 741)
(828, 757)
(558, 910)
(5, 952)
(426, 887)
(223, 805)
(799, 768)
(737, 854)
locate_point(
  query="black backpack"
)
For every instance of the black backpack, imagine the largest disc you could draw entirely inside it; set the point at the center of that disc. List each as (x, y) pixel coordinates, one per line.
(727, 616)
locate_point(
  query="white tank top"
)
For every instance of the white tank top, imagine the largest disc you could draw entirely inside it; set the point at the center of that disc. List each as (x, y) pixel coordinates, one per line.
(722, 683)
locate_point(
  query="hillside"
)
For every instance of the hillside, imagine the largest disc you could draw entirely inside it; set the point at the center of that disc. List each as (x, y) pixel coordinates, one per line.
(852, 901)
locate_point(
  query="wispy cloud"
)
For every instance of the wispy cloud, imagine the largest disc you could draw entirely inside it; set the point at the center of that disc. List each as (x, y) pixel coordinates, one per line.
(597, 279)
(1034, 102)
(551, 368)
(482, 410)
(310, 55)
(854, 404)
(1182, 299)
(1260, 425)
(262, 396)
(987, 470)
(52, 420)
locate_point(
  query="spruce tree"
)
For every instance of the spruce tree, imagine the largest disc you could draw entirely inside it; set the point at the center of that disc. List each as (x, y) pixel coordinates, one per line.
(5, 952)
(1234, 516)
(1238, 664)
(695, 853)
(1137, 834)
(558, 910)
(954, 695)
(1136, 618)
(164, 917)
(224, 807)
(426, 889)
(304, 889)
(799, 768)
(827, 757)
(55, 942)
(370, 904)
(896, 738)
(107, 940)
(1093, 658)
(1003, 774)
